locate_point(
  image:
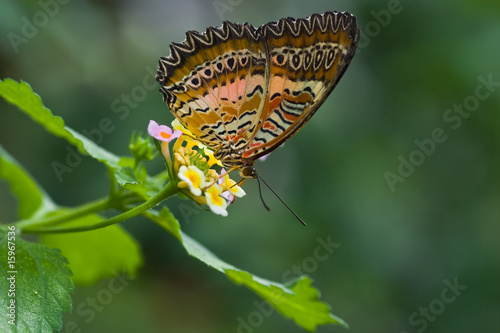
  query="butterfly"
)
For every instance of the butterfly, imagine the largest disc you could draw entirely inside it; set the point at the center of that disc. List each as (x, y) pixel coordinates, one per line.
(244, 91)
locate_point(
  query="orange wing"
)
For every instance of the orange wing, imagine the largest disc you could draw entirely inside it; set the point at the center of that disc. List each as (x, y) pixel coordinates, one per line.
(307, 57)
(215, 83)
(244, 90)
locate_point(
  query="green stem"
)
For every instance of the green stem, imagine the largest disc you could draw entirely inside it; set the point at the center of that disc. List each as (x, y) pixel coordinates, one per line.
(112, 182)
(85, 209)
(169, 190)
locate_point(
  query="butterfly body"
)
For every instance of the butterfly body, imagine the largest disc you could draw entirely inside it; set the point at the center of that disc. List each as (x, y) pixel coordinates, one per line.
(233, 159)
(244, 91)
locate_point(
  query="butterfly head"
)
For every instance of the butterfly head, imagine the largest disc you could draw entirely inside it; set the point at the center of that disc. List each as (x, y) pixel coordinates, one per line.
(248, 171)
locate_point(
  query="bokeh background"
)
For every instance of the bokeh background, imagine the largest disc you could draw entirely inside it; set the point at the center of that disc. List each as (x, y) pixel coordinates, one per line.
(398, 241)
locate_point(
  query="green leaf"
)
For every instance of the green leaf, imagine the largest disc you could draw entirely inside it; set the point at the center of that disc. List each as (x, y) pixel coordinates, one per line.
(21, 95)
(200, 252)
(166, 220)
(97, 254)
(138, 181)
(126, 177)
(41, 290)
(30, 196)
(88, 147)
(300, 302)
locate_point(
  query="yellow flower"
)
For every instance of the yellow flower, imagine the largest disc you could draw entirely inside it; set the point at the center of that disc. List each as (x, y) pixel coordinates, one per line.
(176, 125)
(191, 167)
(193, 178)
(211, 159)
(216, 203)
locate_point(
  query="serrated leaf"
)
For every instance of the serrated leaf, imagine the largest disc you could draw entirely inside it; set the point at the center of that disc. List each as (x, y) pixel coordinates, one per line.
(300, 302)
(42, 287)
(30, 196)
(141, 184)
(21, 95)
(97, 254)
(126, 176)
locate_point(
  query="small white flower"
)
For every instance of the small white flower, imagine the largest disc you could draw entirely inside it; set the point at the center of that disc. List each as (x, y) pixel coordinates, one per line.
(193, 177)
(216, 203)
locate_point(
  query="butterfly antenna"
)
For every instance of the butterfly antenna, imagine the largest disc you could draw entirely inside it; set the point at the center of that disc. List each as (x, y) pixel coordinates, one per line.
(276, 194)
(260, 193)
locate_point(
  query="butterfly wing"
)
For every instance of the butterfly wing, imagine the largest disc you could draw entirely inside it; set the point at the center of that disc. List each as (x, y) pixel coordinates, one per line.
(251, 89)
(215, 83)
(307, 57)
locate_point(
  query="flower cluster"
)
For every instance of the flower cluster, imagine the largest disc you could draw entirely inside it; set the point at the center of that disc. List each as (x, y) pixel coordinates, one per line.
(192, 166)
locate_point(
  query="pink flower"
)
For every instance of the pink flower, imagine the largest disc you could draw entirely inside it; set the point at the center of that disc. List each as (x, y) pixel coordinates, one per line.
(263, 157)
(162, 132)
(228, 196)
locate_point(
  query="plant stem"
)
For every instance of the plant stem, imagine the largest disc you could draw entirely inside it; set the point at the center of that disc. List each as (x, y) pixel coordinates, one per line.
(85, 209)
(169, 190)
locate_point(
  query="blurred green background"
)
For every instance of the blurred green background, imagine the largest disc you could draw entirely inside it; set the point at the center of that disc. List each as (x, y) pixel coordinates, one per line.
(403, 236)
